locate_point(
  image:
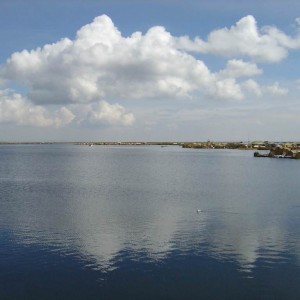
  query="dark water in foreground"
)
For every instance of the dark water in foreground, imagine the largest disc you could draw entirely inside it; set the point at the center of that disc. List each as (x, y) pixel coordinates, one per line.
(82, 222)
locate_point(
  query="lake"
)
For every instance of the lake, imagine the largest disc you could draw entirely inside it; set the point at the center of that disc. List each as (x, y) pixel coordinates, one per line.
(121, 222)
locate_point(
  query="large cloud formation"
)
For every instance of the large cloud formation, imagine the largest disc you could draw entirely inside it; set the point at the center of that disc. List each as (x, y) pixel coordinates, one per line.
(101, 64)
(85, 75)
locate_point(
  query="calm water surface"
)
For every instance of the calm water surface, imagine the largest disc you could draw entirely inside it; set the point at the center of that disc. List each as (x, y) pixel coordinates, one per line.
(81, 222)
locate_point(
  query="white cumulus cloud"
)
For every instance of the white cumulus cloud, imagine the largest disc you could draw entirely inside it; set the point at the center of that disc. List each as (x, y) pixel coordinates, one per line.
(113, 114)
(244, 39)
(252, 87)
(101, 64)
(236, 68)
(276, 89)
(228, 89)
(88, 77)
(16, 109)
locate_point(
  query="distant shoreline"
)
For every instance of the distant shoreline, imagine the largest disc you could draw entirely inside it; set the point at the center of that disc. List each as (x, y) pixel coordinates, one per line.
(255, 145)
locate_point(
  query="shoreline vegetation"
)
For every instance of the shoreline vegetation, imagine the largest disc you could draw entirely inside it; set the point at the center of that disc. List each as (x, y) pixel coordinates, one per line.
(282, 148)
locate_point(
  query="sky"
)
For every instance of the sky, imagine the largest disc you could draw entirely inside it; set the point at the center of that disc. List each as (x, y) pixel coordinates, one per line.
(74, 70)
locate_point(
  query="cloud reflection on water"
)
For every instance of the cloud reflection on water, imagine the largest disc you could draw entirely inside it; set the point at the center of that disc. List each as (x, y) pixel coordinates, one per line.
(83, 213)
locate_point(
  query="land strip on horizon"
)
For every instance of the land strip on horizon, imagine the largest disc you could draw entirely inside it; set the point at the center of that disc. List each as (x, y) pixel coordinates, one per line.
(255, 145)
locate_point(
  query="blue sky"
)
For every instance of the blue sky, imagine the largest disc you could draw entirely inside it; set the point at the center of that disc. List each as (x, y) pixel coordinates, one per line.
(197, 70)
